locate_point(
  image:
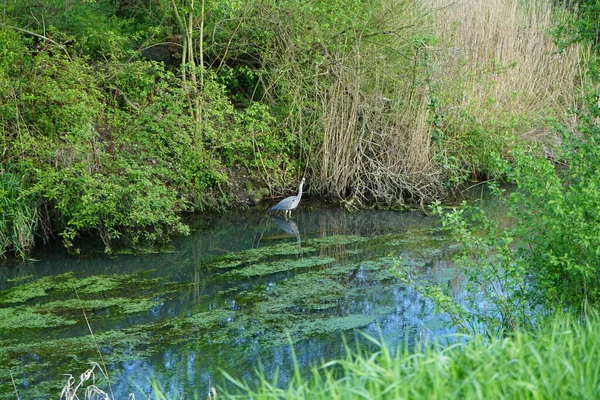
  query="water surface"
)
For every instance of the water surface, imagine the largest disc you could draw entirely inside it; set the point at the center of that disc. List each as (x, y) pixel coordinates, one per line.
(233, 295)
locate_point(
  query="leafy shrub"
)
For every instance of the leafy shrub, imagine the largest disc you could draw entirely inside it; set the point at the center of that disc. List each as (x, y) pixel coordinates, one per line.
(546, 258)
(116, 157)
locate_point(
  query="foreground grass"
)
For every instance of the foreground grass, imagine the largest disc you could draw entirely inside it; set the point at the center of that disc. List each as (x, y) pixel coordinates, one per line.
(561, 361)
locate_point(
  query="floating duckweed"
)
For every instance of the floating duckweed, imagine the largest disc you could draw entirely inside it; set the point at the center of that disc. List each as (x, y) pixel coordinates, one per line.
(61, 300)
(99, 284)
(312, 291)
(336, 240)
(210, 319)
(233, 260)
(29, 290)
(229, 261)
(30, 318)
(327, 325)
(326, 285)
(68, 285)
(69, 354)
(123, 304)
(280, 266)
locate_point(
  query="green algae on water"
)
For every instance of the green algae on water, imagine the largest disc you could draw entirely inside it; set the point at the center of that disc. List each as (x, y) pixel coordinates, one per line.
(280, 266)
(61, 300)
(67, 285)
(336, 240)
(257, 297)
(17, 318)
(233, 260)
(121, 305)
(65, 308)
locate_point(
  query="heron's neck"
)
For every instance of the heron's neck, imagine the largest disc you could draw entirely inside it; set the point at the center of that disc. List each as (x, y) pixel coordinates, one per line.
(300, 189)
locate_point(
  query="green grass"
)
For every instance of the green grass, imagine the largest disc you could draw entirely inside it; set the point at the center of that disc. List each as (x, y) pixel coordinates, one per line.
(560, 362)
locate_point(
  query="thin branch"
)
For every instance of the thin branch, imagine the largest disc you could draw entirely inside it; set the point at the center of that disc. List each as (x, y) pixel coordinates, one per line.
(60, 46)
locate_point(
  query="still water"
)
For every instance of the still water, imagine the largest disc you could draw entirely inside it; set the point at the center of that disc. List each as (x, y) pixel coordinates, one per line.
(238, 294)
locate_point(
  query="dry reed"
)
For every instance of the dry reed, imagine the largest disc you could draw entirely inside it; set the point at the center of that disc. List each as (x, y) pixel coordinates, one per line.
(73, 389)
(497, 58)
(376, 144)
(417, 91)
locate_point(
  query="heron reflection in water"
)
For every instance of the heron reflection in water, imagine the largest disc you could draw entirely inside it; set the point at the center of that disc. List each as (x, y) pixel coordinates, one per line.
(288, 226)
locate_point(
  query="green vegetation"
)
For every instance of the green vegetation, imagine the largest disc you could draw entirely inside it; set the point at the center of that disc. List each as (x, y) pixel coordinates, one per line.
(545, 258)
(117, 117)
(263, 297)
(38, 315)
(558, 362)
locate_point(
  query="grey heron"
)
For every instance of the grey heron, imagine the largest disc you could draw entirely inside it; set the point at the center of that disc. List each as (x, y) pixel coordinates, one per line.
(289, 203)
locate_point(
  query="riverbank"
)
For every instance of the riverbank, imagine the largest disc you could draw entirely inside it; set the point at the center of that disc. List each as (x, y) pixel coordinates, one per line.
(125, 117)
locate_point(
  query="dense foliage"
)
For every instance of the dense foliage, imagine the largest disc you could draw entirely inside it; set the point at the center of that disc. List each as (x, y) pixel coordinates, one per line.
(546, 258)
(117, 116)
(98, 140)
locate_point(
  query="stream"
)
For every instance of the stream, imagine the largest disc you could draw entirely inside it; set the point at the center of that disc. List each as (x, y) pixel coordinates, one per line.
(245, 290)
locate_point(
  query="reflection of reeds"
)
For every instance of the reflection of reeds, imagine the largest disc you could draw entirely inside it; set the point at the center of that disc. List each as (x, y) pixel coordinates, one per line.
(22, 272)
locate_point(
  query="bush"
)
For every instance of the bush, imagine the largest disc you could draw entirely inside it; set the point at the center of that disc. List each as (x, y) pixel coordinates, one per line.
(89, 156)
(546, 258)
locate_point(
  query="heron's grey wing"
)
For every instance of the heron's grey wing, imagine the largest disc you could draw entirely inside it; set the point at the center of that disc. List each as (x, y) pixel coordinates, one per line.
(284, 204)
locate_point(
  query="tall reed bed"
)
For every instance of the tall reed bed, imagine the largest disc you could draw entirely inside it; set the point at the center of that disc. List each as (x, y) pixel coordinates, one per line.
(357, 99)
(498, 77)
(391, 102)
